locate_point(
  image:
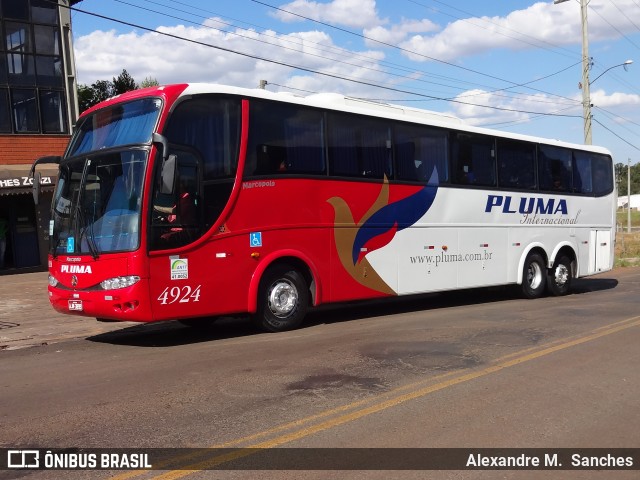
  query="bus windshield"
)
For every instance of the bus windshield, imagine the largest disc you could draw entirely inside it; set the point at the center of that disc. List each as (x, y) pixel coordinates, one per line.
(123, 124)
(96, 207)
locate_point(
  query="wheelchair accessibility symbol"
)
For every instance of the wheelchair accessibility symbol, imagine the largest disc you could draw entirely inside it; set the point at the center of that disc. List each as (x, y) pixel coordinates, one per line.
(255, 239)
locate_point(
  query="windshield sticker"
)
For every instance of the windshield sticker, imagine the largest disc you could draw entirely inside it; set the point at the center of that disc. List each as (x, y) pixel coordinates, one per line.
(70, 245)
(179, 268)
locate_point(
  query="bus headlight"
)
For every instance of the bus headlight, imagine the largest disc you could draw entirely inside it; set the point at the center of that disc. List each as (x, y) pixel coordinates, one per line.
(53, 281)
(119, 282)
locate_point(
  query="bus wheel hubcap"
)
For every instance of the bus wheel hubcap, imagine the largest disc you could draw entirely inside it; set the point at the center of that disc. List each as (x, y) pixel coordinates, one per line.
(534, 275)
(562, 274)
(283, 298)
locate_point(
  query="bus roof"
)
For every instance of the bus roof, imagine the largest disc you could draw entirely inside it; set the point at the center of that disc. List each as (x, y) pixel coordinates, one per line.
(342, 103)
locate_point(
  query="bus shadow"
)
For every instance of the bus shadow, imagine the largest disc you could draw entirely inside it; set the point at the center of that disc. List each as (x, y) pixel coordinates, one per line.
(172, 333)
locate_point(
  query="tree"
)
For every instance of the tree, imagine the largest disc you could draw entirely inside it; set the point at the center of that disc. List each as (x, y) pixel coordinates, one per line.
(621, 178)
(99, 91)
(149, 82)
(123, 83)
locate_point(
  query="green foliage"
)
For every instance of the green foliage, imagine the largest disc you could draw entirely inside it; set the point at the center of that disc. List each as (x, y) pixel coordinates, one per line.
(621, 178)
(101, 90)
(149, 82)
(123, 83)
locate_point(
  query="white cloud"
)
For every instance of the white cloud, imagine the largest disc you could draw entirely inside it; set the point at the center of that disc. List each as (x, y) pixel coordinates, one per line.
(397, 33)
(542, 25)
(350, 13)
(102, 55)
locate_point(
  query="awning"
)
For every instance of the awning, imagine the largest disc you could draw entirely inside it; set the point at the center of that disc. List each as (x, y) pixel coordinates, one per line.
(15, 180)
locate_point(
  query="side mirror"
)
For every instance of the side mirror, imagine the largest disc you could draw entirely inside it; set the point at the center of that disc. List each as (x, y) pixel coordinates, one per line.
(37, 176)
(168, 175)
(162, 140)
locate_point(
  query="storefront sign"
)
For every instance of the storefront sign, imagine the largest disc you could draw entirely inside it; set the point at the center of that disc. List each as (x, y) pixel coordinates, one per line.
(17, 182)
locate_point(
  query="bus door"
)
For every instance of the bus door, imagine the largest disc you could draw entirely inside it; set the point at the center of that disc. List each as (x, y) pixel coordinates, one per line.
(176, 221)
(599, 251)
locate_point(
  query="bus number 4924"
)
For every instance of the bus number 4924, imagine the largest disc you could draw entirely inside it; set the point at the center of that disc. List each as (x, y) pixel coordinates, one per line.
(183, 294)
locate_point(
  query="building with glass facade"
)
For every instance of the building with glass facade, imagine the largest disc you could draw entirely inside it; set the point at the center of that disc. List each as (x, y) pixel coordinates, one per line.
(38, 107)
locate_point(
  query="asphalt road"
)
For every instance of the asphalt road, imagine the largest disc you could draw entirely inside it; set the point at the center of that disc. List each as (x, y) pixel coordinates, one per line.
(474, 369)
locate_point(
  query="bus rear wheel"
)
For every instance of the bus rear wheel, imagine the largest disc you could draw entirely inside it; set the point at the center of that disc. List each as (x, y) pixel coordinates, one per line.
(283, 298)
(560, 276)
(533, 276)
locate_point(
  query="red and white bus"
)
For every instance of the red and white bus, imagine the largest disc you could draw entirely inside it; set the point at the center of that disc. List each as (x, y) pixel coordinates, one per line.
(192, 201)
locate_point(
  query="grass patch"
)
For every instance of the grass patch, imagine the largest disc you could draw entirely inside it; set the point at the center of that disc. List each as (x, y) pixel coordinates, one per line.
(627, 249)
(622, 218)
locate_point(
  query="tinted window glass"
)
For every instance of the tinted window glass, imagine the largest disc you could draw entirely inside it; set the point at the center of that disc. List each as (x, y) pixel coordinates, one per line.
(474, 160)
(419, 151)
(211, 126)
(25, 110)
(44, 11)
(359, 147)
(46, 40)
(592, 173)
(516, 165)
(15, 9)
(554, 169)
(52, 108)
(5, 117)
(285, 139)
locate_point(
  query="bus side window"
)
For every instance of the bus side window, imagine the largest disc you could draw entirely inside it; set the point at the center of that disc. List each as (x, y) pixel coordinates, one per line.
(516, 164)
(554, 168)
(285, 139)
(176, 219)
(474, 159)
(419, 151)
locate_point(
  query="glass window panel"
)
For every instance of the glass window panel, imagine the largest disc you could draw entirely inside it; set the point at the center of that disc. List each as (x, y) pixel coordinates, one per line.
(5, 117)
(4, 79)
(474, 161)
(420, 152)
(18, 37)
(592, 173)
(47, 40)
(49, 70)
(52, 110)
(285, 139)
(44, 11)
(359, 147)
(24, 110)
(21, 69)
(18, 9)
(122, 124)
(554, 168)
(516, 165)
(211, 126)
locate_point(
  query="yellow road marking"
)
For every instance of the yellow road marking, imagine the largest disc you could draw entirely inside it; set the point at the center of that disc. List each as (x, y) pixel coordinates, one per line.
(396, 400)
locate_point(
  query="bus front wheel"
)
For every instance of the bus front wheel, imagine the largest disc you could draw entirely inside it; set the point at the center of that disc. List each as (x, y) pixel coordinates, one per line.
(560, 276)
(533, 276)
(283, 298)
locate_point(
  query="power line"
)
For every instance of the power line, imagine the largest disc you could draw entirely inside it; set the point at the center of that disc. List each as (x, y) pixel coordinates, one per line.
(615, 134)
(306, 69)
(513, 84)
(521, 34)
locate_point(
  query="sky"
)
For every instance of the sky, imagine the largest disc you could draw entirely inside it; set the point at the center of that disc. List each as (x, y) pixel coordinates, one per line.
(514, 66)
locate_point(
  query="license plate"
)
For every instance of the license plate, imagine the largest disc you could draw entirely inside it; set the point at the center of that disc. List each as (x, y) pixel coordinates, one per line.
(75, 305)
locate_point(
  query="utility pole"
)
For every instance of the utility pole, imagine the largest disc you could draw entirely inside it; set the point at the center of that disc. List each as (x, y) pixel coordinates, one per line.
(628, 195)
(263, 84)
(586, 65)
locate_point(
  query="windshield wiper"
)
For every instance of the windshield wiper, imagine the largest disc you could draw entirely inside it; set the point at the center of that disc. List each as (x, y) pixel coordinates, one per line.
(87, 232)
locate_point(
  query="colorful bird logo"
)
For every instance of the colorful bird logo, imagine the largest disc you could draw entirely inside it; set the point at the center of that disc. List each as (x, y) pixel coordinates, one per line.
(376, 229)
